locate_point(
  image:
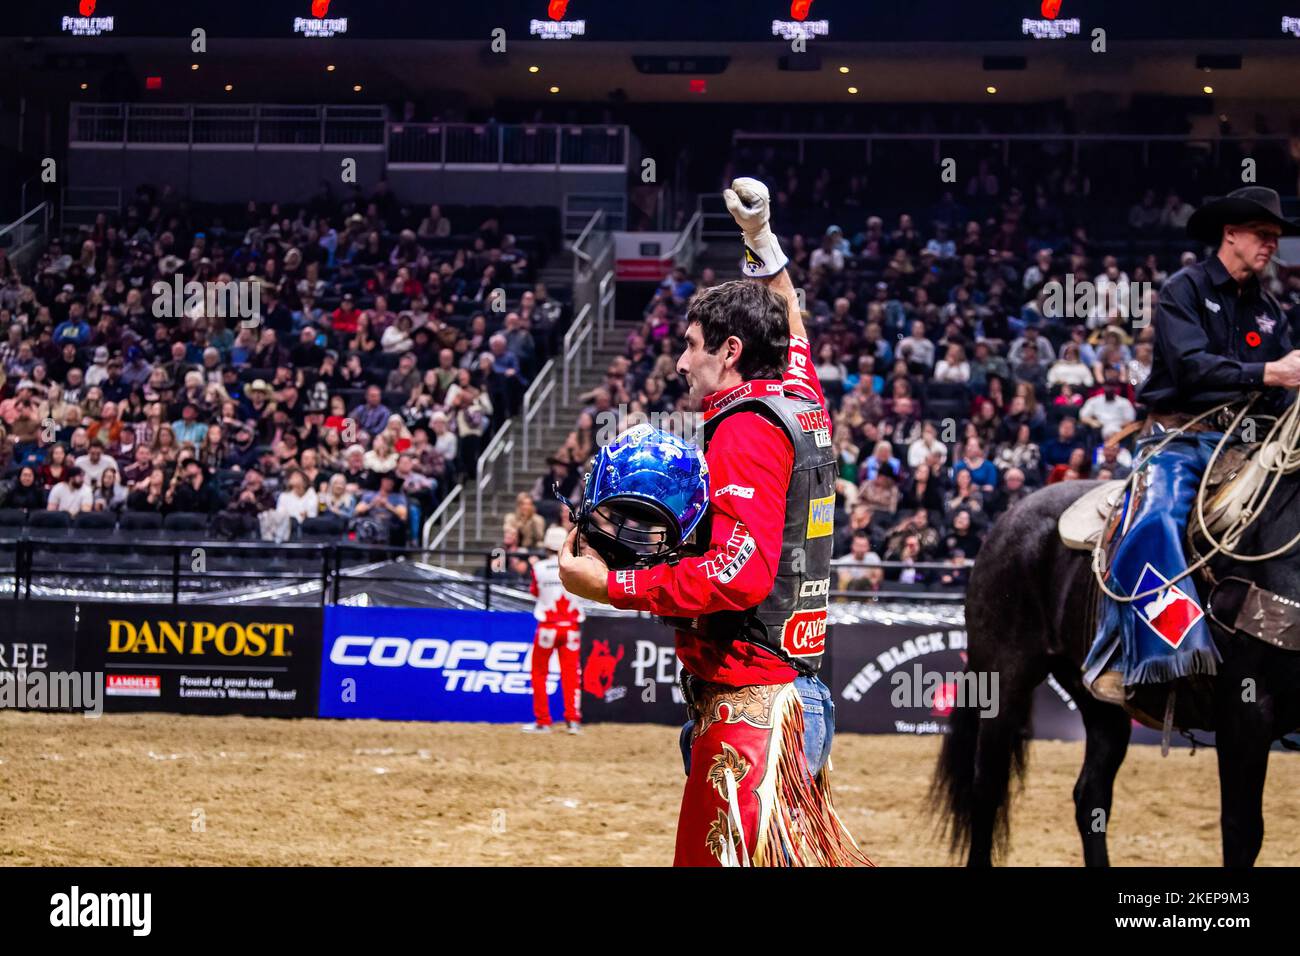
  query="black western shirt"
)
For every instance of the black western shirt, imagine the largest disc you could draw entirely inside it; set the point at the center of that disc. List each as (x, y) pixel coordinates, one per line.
(1213, 337)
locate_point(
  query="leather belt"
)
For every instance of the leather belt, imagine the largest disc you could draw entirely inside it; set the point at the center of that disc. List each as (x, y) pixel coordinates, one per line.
(1240, 605)
(1170, 420)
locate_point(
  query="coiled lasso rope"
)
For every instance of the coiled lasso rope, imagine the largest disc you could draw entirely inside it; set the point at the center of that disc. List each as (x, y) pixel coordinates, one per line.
(1279, 454)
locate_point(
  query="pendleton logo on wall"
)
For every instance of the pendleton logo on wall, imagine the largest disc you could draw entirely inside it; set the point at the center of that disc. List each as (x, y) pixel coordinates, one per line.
(86, 24)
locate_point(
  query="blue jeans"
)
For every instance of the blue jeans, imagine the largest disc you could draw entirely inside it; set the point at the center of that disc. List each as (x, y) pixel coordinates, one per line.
(818, 724)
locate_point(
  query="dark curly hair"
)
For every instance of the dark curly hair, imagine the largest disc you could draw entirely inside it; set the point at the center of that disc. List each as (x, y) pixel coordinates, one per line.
(753, 313)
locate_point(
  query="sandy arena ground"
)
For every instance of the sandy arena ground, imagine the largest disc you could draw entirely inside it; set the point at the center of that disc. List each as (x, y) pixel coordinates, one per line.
(165, 789)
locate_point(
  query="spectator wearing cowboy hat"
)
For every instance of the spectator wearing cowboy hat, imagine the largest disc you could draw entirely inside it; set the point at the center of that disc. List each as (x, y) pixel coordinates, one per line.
(188, 428)
(1220, 338)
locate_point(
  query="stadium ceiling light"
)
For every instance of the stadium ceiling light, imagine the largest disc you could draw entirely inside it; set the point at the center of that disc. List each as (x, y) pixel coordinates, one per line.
(330, 68)
(555, 89)
(990, 90)
(85, 86)
(194, 66)
(356, 88)
(853, 89)
(844, 69)
(533, 69)
(1207, 89)
(229, 87)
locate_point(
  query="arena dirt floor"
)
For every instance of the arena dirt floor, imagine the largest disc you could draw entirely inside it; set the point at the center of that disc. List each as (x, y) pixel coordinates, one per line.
(165, 789)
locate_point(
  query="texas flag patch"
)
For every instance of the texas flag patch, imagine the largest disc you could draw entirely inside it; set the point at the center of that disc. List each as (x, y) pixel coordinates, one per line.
(1170, 613)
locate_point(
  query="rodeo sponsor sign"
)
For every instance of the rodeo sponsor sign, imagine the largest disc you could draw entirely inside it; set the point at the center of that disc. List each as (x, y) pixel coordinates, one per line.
(423, 664)
(37, 636)
(38, 660)
(259, 661)
(909, 680)
(629, 671)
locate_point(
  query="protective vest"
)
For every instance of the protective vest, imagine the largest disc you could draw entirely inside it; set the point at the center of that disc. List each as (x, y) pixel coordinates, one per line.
(791, 620)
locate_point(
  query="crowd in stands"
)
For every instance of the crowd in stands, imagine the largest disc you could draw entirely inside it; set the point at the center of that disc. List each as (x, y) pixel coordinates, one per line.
(389, 344)
(956, 387)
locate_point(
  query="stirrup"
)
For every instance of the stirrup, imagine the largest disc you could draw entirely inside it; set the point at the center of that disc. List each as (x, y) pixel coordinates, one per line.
(1109, 688)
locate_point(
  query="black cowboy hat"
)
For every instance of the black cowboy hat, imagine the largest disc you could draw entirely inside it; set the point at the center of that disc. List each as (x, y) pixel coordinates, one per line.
(1248, 204)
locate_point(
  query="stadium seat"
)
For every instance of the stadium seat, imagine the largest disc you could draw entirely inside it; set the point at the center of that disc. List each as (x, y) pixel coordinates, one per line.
(141, 521)
(12, 517)
(95, 524)
(322, 528)
(946, 400)
(185, 521)
(50, 520)
(352, 397)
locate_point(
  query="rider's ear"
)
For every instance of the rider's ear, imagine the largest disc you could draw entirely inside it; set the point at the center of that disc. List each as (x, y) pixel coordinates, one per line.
(731, 357)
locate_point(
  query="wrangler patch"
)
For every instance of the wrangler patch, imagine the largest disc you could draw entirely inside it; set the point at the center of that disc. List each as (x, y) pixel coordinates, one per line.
(821, 517)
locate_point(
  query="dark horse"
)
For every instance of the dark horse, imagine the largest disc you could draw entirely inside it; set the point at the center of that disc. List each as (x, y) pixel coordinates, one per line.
(1029, 613)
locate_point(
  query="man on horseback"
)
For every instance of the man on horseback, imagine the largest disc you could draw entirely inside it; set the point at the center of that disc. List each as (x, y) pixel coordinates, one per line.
(1220, 337)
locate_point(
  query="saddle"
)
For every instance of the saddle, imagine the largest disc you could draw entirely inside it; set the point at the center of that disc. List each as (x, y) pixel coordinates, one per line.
(1083, 523)
(1235, 604)
(1234, 479)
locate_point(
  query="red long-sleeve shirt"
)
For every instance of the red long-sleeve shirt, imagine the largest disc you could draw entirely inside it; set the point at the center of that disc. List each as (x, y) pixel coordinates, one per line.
(750, 462)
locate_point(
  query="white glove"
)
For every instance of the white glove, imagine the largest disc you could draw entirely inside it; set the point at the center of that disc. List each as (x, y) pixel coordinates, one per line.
(747, 201)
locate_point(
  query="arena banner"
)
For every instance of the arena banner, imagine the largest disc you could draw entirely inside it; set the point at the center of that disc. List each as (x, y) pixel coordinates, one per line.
(401, 663)
(259, 661)
(906, 679)
(640, 256)
(629, 672)
(38, 635)
(38, 653)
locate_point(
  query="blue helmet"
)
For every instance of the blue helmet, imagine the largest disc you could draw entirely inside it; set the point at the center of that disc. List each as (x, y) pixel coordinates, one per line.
(646, 493)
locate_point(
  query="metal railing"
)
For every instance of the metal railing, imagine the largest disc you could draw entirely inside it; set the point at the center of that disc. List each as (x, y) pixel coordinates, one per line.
(200, 124)
(24, 238)
(1142, 143)
(81, 204)
(579, 334)
(57, 567)
(593, 267)
(553, 387)
(449, 516)
(46, 566)
(540, 397)
(605, 308)
(715, 220)
(507, 146)
(688, 245)
(580, 209)
(500, 447)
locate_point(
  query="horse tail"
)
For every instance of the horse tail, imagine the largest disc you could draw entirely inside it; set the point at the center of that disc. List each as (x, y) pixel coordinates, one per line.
(981, 761)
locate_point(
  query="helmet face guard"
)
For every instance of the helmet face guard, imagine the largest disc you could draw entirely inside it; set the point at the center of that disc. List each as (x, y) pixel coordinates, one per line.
(644, 496)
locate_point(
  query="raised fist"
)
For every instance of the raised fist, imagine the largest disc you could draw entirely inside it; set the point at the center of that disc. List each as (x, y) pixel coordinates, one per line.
(748, 202)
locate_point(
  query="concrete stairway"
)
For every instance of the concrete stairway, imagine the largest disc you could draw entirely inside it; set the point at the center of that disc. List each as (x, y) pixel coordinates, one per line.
(499, 498)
